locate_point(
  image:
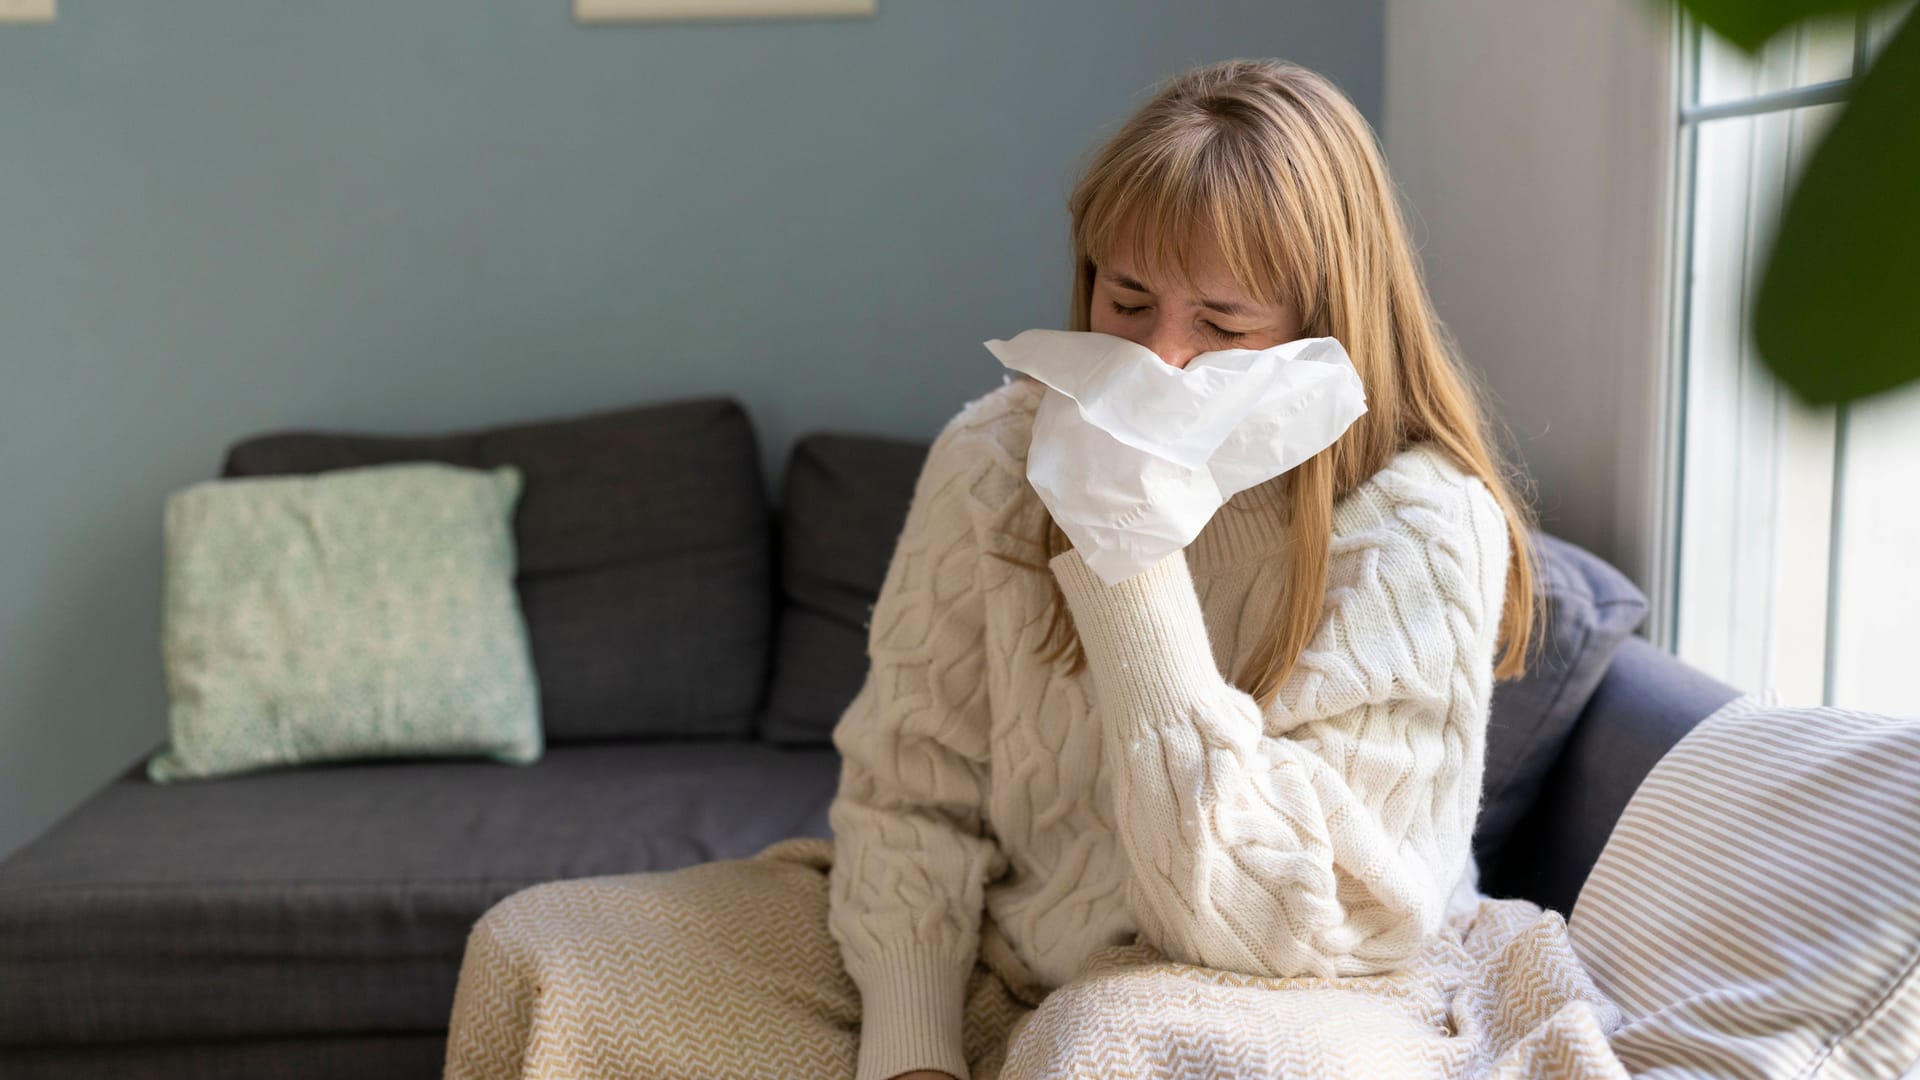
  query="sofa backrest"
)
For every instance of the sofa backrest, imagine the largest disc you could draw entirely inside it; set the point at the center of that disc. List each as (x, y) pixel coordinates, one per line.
(645, 557)
(842, 508)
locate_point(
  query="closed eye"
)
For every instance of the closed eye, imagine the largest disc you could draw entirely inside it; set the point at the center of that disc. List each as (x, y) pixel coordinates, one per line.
(1226, 335)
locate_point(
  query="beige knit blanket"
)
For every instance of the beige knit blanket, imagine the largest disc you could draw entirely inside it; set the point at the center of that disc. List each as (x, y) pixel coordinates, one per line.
(1499, 994)
(727, 969)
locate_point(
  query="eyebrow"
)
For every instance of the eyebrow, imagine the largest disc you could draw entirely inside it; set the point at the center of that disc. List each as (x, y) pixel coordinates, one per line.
(1224, 307)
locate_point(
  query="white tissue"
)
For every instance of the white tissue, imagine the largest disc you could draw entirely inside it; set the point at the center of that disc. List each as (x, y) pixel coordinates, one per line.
(1133, 456)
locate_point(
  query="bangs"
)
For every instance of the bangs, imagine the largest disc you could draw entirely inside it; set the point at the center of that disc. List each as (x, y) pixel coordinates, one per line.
(1165, 206)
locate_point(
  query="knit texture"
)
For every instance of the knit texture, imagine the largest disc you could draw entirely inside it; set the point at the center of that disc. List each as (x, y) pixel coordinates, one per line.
(991, 806)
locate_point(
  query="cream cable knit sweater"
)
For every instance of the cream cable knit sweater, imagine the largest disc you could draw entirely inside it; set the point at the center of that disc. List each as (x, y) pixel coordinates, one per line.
(990, 807)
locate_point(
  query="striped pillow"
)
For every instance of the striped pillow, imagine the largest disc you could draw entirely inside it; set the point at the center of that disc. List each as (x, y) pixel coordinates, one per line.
(1756, 911)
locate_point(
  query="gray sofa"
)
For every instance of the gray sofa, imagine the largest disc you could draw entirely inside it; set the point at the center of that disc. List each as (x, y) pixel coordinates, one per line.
(695, 639)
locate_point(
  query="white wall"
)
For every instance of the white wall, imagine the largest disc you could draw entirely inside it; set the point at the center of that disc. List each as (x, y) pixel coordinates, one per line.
(1532, 139)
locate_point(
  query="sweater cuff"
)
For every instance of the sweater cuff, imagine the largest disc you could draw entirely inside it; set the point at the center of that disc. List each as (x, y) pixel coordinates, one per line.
(911, 1004)
(1144, 636)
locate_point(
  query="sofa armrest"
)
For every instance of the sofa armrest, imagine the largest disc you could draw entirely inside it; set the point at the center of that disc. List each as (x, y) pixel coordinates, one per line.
(1645, 703)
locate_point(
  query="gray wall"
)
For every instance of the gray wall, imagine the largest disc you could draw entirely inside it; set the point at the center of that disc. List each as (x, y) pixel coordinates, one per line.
(222, 216)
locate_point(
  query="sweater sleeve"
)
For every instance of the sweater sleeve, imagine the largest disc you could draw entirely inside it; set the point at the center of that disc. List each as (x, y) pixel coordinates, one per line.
(912, 852)
(1326, 836)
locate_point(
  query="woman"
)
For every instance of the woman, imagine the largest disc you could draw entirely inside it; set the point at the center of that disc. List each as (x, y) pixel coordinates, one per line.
(1064, 842)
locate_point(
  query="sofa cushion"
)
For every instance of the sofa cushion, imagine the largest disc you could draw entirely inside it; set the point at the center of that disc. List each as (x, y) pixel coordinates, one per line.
(1590, 609)
(338, 897)
(645, 565)
(314, 1057)
(844, 505)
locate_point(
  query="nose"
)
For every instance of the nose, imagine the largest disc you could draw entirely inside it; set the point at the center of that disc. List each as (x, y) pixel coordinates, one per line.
(1170, 346)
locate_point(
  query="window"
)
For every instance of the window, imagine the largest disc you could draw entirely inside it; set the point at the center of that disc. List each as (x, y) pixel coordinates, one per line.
(1795, 529)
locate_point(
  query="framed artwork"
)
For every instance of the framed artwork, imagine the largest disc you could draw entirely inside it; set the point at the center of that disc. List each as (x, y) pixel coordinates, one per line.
(660, 10)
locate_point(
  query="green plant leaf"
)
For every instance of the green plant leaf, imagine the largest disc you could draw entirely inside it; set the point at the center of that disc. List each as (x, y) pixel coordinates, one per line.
(1837, 316)
(1749, 23)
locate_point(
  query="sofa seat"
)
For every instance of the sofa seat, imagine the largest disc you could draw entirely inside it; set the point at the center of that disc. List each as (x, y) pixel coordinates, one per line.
(338, 898)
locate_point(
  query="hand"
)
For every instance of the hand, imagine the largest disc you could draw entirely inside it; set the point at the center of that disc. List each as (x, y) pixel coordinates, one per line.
(925, 1074)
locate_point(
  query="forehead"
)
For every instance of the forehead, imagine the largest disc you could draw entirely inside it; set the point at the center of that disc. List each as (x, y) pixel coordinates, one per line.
(1193, 264)
(1203, 278)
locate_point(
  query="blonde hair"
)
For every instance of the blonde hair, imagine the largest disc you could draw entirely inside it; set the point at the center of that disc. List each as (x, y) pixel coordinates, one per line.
(1275, 165)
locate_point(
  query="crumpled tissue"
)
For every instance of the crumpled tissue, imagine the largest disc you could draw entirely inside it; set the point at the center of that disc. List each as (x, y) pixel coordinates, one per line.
(1133, 456)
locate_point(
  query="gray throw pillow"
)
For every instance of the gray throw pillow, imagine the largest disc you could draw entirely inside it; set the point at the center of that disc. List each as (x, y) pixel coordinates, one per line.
(1590, 609)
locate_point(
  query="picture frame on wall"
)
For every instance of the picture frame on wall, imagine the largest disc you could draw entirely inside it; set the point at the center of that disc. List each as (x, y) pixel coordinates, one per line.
(593, 11)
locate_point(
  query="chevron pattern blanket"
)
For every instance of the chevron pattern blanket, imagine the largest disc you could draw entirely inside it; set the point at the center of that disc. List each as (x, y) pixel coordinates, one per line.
(726, 969)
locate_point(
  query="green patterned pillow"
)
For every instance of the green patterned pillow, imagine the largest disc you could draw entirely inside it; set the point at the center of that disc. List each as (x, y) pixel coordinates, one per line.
(356, 613)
